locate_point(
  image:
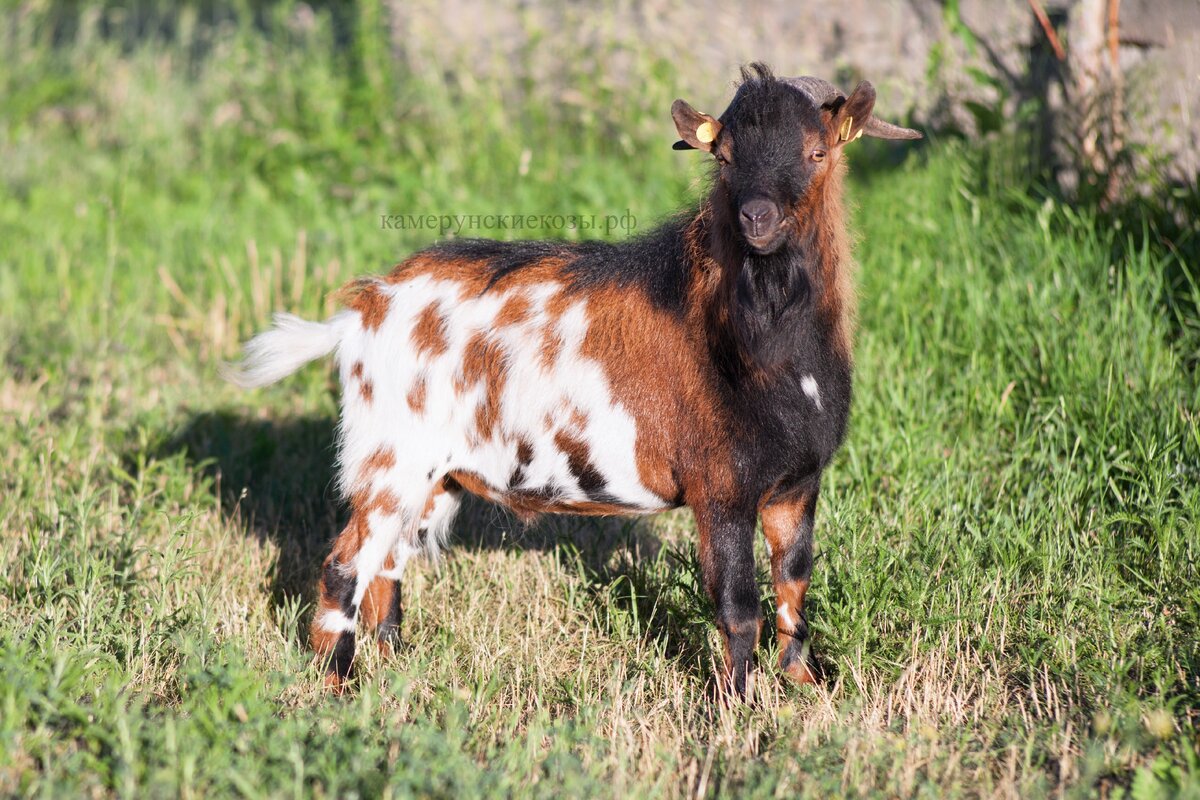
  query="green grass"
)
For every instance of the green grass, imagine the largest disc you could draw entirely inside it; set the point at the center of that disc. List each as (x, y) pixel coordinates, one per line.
(1006, 598)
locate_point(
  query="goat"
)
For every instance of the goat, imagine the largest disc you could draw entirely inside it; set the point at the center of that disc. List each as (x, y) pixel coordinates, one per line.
(706, 364)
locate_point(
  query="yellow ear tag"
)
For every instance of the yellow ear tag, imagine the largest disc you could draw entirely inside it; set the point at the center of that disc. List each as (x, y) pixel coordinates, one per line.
(705, 132)
(844, 131)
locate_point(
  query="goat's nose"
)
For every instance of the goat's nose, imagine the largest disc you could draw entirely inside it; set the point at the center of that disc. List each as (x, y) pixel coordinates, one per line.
(759, 218)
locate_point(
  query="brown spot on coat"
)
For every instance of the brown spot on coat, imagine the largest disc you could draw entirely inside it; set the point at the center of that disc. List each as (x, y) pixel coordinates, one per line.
(484, 360)
(367, 298)
(515, 309)
(365, 387)
(486, 415)
(429, 335)
(579, 461)
(551, 342)
(383, 458)
(474, 362)
(558, 303)
(384, 501)
(416, 396)
(550, 348)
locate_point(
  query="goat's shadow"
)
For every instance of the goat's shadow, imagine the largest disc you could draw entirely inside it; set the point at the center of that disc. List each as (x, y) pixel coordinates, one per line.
(275, 478)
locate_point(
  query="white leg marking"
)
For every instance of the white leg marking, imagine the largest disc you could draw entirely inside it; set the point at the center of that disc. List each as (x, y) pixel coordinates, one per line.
(809, 384)
(335, 622)
(783, 615)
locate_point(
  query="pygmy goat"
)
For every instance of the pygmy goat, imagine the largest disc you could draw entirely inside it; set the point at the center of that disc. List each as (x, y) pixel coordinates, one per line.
(704, 364)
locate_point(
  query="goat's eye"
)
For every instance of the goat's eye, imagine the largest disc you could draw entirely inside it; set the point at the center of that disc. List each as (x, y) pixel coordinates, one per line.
(818, 155)
(722, 160)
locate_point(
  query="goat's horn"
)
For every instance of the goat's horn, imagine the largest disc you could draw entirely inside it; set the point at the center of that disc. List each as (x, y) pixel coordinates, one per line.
(821, 92)
(886, 130)
(825, 95)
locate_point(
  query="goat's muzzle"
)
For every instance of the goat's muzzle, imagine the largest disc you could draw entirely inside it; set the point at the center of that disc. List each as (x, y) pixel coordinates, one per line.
(760, 222)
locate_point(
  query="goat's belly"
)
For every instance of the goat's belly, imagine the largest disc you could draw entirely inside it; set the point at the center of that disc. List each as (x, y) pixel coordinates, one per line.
(575, 464)
(493, 392)
(551, 499)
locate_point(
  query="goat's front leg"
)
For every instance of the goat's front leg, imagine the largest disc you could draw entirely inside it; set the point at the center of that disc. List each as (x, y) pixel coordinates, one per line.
(727, 563)
(788, 526)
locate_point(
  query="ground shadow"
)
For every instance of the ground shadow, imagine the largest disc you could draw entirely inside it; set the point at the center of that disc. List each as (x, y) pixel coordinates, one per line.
(275, 478)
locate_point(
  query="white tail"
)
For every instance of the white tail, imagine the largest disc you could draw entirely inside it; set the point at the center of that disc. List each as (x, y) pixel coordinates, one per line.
(289, 345)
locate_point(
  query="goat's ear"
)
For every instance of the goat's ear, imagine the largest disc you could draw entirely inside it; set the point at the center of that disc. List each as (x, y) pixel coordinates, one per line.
(697, 131)
(852, 117)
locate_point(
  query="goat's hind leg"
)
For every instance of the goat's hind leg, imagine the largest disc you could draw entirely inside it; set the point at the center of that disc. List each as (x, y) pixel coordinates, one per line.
(382, 607)
(382, 610)
(359, 554)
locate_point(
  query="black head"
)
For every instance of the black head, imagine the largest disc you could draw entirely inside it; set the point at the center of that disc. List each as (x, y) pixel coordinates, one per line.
(776, 145)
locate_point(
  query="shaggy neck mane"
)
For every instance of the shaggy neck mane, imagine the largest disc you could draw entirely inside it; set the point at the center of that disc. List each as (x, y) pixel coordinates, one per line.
(756, 304)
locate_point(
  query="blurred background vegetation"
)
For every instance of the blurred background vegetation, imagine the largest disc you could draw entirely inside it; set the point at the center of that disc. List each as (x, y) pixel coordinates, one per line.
(1006, 600)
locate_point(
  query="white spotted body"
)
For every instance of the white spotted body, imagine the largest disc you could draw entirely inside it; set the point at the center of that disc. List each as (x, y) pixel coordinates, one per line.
(538, 402)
